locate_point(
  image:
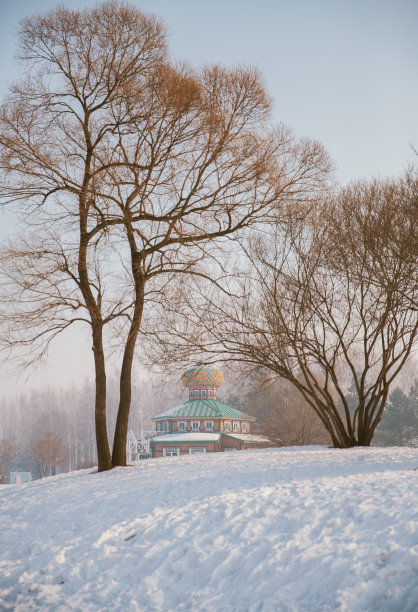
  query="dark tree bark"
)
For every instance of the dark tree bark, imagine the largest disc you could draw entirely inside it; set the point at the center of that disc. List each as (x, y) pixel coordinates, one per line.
(103, 451)
(125, 388)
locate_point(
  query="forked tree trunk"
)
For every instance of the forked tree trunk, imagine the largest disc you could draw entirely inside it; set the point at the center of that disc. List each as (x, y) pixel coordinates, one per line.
(342, 439)
(362, 437)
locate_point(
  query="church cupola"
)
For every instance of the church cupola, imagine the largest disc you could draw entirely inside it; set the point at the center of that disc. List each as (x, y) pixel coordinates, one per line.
(202, 382)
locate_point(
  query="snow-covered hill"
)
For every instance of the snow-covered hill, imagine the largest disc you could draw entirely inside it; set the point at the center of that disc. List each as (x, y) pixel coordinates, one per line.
(272, 530)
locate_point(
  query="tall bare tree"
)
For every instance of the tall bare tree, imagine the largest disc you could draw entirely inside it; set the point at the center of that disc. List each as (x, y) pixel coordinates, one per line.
(57, 139)
(211, 171)
(129, 168)
(329, 303)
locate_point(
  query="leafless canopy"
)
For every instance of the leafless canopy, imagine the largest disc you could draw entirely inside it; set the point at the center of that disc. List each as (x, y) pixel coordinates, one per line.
(126, 169)
(329, 302)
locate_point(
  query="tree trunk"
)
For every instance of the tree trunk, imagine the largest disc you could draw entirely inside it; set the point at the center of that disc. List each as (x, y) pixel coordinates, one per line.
(103, 450)
(125, 387)
(122, 421)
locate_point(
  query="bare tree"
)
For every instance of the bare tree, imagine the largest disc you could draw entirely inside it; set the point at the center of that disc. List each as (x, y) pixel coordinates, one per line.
(125, 160)
(48, 451)
(8, 450)
(209, 175)
(56, 138)
(330, 302)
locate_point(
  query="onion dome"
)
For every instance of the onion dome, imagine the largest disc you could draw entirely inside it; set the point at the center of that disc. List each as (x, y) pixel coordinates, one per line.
(202, 376)
(202, 381)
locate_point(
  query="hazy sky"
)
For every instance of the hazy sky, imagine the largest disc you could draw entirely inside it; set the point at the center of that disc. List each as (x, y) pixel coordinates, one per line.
(341, 71)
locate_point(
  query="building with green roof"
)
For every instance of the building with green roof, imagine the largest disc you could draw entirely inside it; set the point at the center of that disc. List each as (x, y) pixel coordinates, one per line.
(203, 424)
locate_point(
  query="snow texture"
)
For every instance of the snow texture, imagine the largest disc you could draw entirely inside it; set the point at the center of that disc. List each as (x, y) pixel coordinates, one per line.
(188, 436)
(250, 438)
(282, 530)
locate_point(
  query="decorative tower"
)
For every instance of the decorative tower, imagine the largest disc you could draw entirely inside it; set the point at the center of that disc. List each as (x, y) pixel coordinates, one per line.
(203, 424)
(202, 381)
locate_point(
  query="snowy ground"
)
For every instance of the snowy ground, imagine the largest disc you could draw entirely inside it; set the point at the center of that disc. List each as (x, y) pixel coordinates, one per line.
(273, 530)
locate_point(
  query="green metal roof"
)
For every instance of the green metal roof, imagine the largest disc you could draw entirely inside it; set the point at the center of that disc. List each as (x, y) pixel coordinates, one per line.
(204, 408)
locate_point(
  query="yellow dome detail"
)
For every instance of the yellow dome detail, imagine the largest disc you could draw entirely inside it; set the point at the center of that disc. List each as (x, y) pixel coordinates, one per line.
(202, 376)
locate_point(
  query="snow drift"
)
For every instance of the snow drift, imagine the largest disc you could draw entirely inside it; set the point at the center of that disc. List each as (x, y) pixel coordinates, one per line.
(271, 530)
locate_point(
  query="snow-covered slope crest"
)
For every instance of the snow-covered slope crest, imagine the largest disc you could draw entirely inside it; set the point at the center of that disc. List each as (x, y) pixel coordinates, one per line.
(271, 530)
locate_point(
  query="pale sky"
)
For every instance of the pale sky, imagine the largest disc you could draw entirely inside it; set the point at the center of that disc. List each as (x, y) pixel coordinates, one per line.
(340, 71)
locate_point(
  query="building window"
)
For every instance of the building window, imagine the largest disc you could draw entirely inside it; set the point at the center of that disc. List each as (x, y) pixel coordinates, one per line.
(196, 392)
(203, 393)
(244, 427)
(197, 450)
(195, 425)
(227, 425)
(159, 426)
(166, 425)
(171, 452)
(181, 425)
(209, 425)
(235, 426)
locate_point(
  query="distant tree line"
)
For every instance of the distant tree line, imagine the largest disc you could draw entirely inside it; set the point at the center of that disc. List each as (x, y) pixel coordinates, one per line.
(52, 430)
